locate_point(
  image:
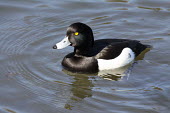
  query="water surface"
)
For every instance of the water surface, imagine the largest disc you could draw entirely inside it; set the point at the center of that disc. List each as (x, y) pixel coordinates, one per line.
(32, 79)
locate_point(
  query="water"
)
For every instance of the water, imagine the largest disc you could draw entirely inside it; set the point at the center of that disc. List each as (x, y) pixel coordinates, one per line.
(32, 79)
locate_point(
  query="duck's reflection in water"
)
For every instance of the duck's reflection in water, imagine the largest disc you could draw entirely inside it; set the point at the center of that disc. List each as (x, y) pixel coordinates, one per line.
(81, 88)
(116, 74)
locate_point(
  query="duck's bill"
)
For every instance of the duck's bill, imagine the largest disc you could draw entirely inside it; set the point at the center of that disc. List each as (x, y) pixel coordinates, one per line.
(62, 44)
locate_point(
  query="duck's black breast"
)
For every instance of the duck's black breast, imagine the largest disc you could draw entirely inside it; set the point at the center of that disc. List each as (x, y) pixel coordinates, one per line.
(80, 63)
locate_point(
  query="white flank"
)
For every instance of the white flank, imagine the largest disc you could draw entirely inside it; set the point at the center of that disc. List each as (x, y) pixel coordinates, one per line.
(126, 57)
(64, 43)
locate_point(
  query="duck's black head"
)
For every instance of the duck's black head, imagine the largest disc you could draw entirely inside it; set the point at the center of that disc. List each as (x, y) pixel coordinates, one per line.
(78, 35)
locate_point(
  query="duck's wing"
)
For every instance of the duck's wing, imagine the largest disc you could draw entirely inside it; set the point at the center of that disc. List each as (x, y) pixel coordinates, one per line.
(111, 51)
(113, 47)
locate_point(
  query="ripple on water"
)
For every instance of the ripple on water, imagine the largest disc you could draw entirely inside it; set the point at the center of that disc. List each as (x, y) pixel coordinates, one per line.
(27, 58)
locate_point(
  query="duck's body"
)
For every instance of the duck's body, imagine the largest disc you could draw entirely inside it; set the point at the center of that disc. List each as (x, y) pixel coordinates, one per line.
(91, 56)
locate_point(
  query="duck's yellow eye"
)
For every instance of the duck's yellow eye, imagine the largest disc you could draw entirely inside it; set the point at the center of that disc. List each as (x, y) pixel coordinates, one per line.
(76, 33)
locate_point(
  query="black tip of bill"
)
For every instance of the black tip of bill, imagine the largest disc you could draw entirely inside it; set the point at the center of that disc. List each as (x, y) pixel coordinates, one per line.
(54, 47)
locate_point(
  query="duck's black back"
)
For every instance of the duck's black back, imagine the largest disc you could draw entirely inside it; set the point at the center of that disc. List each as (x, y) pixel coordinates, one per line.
(111, 48)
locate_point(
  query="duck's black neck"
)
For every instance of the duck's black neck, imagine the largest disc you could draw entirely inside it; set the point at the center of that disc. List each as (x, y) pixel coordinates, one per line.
(82, 51)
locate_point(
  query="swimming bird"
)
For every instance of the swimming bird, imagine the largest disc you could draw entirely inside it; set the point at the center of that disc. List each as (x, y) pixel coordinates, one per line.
(91, 56)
